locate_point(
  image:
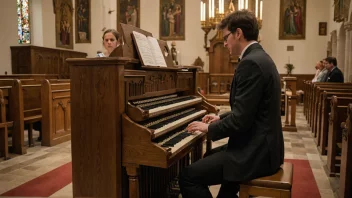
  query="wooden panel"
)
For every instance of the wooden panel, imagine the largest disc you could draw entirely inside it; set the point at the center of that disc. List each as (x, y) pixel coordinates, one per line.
(202, 81)
(3, 127)
(42, 60)
(56, 111)
(346, 156)
(97, 97)
(30, 76)
(300, 79)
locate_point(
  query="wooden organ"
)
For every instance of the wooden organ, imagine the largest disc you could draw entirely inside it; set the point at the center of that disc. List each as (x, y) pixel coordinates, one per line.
(128, 123)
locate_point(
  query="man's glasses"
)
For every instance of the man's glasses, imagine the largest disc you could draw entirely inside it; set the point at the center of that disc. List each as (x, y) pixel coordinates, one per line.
(226, 36)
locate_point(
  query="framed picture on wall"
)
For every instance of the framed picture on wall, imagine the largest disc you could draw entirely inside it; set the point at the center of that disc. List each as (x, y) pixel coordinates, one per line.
(292, 19)
(83, 29)
(64, 23)
(128, 12)
(172, 20)
(323, 28)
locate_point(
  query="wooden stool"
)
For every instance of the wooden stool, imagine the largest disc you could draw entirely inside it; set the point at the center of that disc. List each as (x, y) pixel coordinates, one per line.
(278, 185)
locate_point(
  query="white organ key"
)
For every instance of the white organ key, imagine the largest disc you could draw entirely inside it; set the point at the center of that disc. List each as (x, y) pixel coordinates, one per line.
(155, 110)
(177, 123)
(183, 142)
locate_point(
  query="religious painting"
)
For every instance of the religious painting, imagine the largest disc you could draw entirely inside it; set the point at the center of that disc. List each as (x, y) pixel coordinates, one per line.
(64, 23)
(172, 20)
(83, 33)
(323, 28)
(129, 12)
(292, 19)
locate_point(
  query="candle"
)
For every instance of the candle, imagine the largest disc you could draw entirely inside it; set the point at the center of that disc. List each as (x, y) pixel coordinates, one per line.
(222, 6)
(246, 4)
(213, 8)
(209, 8)
(201, 11)
(261, 9)
(239, 4)
(204, 7)
(256, 8)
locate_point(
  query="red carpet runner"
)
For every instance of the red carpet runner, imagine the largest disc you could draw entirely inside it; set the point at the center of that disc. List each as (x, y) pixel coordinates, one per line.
(304, 185)
(44, 185)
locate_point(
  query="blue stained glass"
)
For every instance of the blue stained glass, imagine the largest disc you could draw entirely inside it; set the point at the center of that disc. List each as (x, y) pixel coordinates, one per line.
(23, 26)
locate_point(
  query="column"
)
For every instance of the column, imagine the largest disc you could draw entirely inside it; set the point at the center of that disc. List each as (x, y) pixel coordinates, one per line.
(341, 48)
(348, 57)
(334, 43)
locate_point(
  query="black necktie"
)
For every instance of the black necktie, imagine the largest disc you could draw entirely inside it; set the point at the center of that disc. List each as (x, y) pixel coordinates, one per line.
(239, 60)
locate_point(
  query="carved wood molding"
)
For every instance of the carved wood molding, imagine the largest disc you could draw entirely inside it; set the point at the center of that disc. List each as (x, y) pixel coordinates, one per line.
(348, 26)
(341, 8)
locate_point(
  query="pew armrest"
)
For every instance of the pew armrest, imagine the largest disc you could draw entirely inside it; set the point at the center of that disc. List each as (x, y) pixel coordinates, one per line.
(6, 124)
(32, 119)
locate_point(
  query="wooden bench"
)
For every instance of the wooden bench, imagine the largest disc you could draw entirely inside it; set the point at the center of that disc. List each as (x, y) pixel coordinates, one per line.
(318, 98)
(324, 108)
(345, 189)
(4, 149)
(278, 185)
(24, 108)
(56, 111)
(311, 92)
(337, 116)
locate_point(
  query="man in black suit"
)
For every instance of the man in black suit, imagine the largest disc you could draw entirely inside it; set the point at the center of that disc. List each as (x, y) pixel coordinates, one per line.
(334, 73)
(255, 147)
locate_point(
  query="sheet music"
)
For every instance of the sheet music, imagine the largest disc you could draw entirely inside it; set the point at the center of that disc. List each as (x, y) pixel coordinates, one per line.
(156, 51)
(144, 50)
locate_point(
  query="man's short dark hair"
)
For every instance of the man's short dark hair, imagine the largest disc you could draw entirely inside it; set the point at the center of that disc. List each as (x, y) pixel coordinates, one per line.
(331, 60)
(243, 19)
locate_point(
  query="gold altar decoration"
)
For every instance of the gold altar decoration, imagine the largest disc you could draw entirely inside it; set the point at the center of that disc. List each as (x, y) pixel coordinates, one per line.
(213, 11)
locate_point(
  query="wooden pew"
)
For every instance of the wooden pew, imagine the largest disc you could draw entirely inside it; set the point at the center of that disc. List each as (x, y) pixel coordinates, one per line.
(311, 95)
(24, 108)
(337, 116)
(322, 106)
(319, 89)
(323, 119)
(11, 90)
(345, 189)
(4, 127)
(56, 112)
(32, 110)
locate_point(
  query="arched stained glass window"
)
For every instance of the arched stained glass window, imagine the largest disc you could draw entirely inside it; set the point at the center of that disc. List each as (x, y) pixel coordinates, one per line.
(24, 35)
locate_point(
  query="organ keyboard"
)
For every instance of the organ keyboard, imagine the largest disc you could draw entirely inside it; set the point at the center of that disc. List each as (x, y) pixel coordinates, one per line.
(144, 109)
(161, 141)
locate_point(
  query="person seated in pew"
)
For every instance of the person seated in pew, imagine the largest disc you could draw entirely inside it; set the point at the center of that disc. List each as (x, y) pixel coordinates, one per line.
(323, 73)
(318, 68)
(110, 42)
(334, 73)
(255, 147)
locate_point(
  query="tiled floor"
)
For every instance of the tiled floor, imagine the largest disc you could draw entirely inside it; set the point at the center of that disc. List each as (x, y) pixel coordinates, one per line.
(40, 160)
